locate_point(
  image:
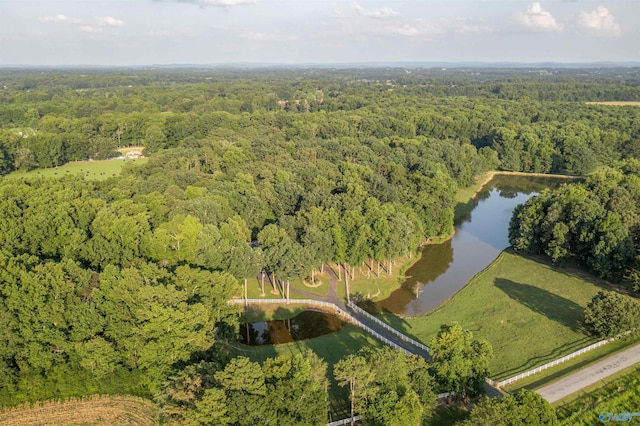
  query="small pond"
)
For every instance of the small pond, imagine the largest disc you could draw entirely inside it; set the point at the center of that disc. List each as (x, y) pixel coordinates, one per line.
(305, 325)
(480, 236)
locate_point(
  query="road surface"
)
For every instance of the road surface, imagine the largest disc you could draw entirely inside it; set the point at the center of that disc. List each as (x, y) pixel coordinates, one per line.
(590, 375)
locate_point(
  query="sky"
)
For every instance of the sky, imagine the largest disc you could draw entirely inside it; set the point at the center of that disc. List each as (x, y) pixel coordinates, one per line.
(144, 32)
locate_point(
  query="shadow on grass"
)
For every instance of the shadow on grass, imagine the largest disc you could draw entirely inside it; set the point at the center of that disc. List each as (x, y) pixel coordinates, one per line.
(536, 361)
(554, 307)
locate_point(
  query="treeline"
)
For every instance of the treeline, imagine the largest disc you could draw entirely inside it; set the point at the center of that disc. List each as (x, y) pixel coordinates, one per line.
(51, 118)
(597, 222)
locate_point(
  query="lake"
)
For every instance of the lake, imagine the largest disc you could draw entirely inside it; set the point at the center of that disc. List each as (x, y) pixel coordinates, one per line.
(480, 236)
(305, 325)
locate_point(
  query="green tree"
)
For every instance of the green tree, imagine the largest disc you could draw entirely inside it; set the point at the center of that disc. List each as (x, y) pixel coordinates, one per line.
(459, 362)
(610, 314)
(525, 408)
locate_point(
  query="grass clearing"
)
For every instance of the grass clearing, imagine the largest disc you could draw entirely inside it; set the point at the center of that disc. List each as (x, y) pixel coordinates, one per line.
(91, 170)
(373, 287)
(619, 393)
(254, 288)
(615, 103)
(515, 298)
(95, 410)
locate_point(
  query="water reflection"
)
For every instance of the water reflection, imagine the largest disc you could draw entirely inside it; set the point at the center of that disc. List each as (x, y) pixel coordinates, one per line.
(480, 236)
(305, 325)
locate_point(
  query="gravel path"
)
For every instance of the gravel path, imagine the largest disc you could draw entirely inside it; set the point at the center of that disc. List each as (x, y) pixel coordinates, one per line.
(590, 375)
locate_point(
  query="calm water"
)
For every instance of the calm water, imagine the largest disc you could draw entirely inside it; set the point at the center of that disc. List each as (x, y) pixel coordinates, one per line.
(305, 325)
(480, 236)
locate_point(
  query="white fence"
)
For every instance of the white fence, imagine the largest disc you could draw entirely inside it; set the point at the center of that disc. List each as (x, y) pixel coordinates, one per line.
(387, 327)
(553, 363)
(344, 421)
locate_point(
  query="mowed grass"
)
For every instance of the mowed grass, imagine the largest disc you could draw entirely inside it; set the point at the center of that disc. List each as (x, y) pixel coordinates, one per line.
(375, 287)
(254, 288)
(530, 312)
(96, 410)
(91, 170)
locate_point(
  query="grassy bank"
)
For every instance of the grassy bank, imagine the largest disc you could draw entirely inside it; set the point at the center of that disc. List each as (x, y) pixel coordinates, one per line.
(516, 298)
(373, 287)
(91, 170)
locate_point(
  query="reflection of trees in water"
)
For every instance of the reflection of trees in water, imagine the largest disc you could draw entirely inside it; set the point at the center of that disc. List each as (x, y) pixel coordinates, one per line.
(305, 325)
(436, 259)
(434, 262)
(509, 186)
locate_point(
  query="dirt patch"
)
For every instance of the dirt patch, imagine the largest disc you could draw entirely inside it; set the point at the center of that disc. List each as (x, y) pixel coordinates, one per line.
(96, 410)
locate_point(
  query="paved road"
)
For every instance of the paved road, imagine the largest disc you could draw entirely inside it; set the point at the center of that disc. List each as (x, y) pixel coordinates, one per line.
(590, 375)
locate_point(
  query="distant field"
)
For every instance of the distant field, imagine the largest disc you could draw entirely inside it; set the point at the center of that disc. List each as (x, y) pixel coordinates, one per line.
(615, 103)
(92, 170)
(98, 410)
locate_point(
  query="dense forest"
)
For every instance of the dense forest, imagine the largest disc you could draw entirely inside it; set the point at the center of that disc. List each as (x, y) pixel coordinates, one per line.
(120, 286)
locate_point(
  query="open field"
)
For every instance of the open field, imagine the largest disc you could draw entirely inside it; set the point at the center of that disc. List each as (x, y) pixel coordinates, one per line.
(92, 170)
(515, 298)
(617, 394)
(615, 103)
(96, 410)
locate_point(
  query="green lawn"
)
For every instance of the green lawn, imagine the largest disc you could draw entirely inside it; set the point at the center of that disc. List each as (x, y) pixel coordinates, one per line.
(92, 170)
(254, 288)
(530, 312)
(379, 287)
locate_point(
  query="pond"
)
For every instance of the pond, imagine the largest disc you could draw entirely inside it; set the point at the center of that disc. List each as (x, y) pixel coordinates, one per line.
(306, 325)
(480, 236)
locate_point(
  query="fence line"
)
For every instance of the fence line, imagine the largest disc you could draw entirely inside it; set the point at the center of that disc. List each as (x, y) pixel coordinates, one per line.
(344, 421)
(554, 362)
(387, 327)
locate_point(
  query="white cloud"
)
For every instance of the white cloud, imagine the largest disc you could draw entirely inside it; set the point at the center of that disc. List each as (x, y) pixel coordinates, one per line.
(258, 36)
(381, 13)
(406, 30)
(538, 19)
(215, 3)
(461, 25)
(600, 21)
(89, 29)
(110, 21)
(60, 19)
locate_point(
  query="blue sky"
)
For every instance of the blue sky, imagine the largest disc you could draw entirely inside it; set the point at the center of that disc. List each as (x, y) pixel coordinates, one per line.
(138, 32)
